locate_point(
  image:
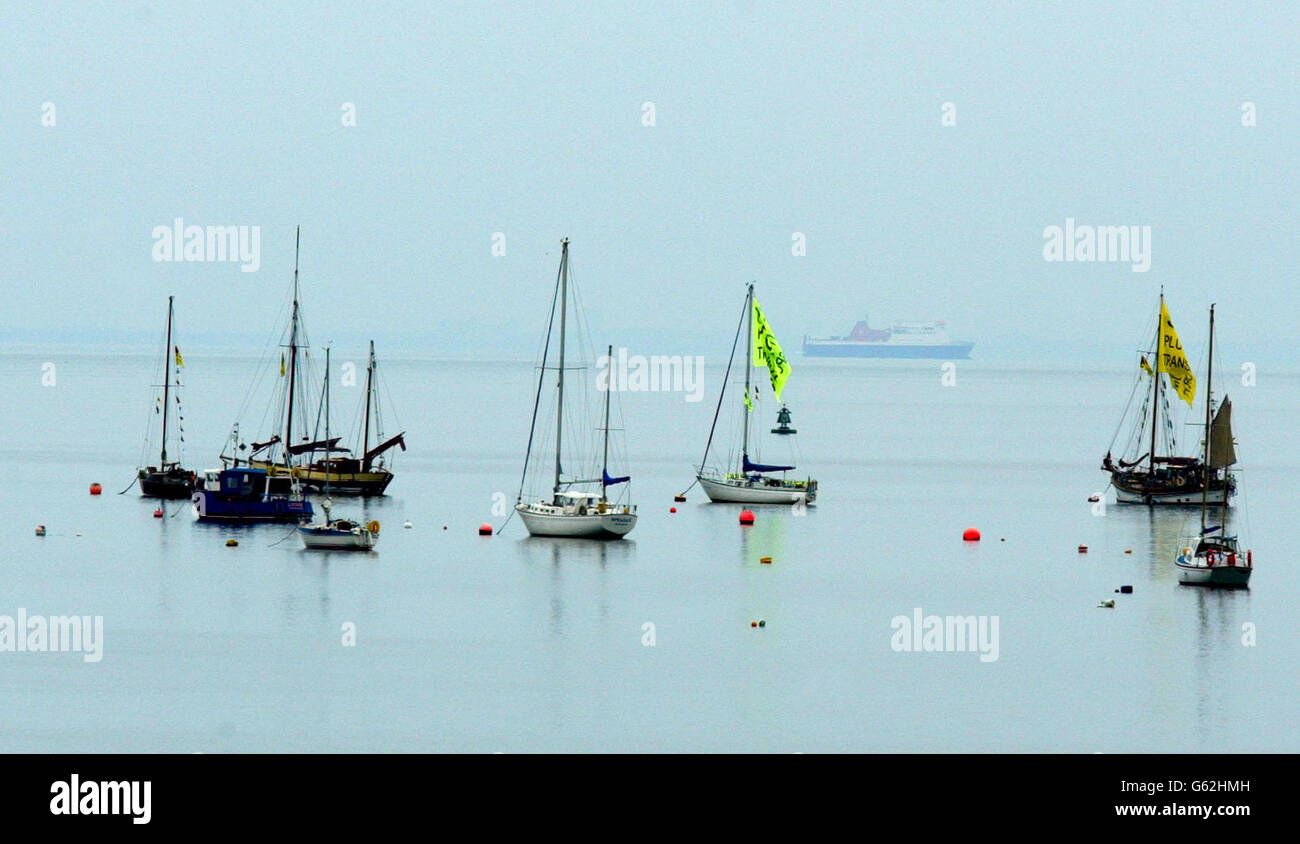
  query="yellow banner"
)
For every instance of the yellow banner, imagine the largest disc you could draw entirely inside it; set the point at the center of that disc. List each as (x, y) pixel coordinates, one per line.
(1171, 360)
(1146, 367)
(767, 352)
(179, 360)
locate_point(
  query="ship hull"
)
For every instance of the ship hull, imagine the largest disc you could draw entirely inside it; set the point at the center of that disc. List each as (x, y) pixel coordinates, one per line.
(169, 485)
(212, 507)
(1223, 576)
(736, 491)
(320, 538)
(589, 526)
(850, 349)
(315, 480)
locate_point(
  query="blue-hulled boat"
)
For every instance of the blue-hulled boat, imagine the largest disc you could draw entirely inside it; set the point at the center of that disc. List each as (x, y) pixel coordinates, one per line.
(242, 495)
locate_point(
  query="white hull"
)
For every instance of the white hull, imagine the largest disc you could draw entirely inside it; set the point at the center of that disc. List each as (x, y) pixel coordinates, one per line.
(609, 525)
(1214, 496)
(746, 492)
(324, 539)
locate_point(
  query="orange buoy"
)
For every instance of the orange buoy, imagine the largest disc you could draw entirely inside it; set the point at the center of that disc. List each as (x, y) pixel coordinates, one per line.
(1128, 550)
(158, 514)
(485, 530)
(746, 517)
(767, 561)
(231, 543)
(672, 509)
(971, 535)
(96, 489)
(753, 624)
(1083, 549)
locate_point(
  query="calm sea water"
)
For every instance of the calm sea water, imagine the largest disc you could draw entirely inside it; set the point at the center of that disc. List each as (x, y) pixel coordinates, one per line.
(505, 643)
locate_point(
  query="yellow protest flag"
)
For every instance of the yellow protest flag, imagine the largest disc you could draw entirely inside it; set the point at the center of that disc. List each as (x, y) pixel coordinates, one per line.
(1171, 360)
(282, 366)
(1146, 367)
(179, 361)
(767, 352)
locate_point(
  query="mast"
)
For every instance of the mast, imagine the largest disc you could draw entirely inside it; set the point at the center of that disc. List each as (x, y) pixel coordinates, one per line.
(293, 354)
(559, 395)
(1155, 376)
(167, 380)
(1209, 391)
(326, 400)
(604, 460)
(749, 366)
(365, 436)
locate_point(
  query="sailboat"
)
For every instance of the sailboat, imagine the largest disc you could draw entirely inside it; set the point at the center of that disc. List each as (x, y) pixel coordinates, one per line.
(246, 491)
(332, 534)
(1160, 476)
(571, 511)
(351, 475)
(1216, 559)
(752, 482)
(168, 479)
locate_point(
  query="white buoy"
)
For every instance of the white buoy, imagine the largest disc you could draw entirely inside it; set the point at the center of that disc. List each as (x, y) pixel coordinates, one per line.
(406, 525)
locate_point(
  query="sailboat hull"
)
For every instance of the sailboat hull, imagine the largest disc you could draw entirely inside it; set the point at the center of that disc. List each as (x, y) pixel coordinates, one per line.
(1182, 497)
(155, 484)
(324, 538)
(589, 526)
(1196, 573)
(744, 491)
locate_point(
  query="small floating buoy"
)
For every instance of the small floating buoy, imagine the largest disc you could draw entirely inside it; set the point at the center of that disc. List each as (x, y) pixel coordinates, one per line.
(767, 561)
(762, 623)
(40, 530)
(753, 624)
(1128, 550)
(1094, 498)
(672, 509)
(1004, 539)
(1083, 549)
(96, 489)
(679, 498)
(1126, 590)
(158, 514)
(485, 530)
(746, 517)
(407, 525)
(1107, 605)
(970, 535)
(231, 543)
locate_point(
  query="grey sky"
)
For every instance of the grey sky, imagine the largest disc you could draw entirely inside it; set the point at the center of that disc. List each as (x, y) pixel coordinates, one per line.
(770, 119)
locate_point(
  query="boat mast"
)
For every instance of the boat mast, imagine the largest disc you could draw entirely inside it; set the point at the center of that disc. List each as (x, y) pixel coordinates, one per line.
(167, 380)
(559, 395)
(365, 436)
(1209, 390)
(326, 400)
(1155, 376)
(749, 366)
(293, 353)
(604, 460)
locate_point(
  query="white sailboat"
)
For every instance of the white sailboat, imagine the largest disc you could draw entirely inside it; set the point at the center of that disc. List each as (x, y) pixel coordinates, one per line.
(572, 511)
(335, 534)
(1212, 558)
(752, 482)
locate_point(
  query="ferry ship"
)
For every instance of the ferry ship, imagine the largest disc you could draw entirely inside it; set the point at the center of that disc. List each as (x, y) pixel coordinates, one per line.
(900, 340)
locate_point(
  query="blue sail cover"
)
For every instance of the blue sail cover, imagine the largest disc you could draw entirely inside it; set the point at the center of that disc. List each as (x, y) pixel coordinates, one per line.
(611, 481)
(762, 467)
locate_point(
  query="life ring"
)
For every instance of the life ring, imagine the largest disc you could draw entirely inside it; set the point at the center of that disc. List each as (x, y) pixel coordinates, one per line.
(1232, 558)
(1209, 559)
(373, 526)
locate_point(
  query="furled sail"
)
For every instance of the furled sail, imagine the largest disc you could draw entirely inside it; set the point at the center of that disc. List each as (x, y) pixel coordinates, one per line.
(762, 467)
(1222, 451)
(609, 481)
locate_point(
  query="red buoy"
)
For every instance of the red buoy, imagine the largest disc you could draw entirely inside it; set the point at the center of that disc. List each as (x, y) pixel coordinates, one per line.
(753, 624)
(971, 535)
(1083, 549)
(672, 509)
(96, 489)
(746, 517)
(485, 530)
(157, 514)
